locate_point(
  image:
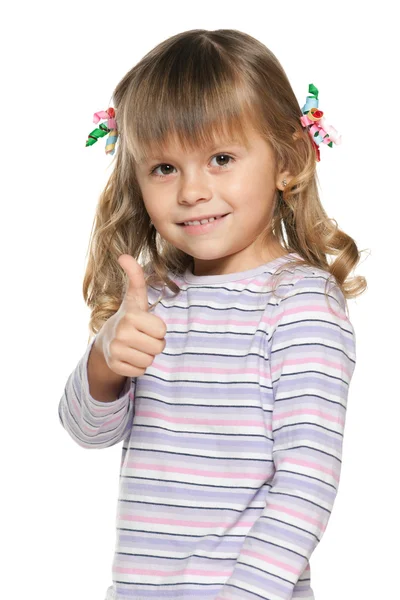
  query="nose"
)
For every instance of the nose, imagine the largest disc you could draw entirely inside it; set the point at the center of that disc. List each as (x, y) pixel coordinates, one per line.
(194, 189)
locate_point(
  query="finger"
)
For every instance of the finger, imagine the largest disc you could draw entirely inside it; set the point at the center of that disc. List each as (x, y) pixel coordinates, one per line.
(136, 291)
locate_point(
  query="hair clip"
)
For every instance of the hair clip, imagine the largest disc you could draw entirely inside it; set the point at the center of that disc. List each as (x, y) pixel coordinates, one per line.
(313, 119)
(103, 129)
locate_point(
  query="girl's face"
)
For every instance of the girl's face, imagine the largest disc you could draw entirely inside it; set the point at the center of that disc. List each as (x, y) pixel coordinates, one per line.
(226, 179)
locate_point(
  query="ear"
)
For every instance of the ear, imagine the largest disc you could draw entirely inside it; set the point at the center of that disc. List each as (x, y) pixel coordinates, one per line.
(280, 177)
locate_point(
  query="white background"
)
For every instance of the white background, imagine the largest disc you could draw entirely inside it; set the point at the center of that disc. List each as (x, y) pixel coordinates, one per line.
(60, 64)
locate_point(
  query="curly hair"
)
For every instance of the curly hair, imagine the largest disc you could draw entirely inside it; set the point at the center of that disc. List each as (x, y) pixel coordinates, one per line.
(196, 86)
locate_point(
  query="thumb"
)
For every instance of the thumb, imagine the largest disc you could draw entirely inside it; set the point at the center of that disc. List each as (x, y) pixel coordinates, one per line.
(136, 291)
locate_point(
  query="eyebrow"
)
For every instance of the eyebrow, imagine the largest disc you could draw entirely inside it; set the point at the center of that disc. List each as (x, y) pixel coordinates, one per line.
(209, 148)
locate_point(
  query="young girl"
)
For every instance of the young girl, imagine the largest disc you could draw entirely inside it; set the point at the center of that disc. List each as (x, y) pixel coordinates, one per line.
(223, 360)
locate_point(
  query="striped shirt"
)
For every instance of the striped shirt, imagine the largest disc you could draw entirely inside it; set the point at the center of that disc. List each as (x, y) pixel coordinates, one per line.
(232, 438)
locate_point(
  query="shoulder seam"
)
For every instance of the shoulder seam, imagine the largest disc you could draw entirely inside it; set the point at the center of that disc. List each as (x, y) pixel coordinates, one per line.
(326, 292)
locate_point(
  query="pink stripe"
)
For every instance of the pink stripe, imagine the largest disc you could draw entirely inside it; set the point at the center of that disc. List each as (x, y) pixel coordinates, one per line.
(216, 370)
(167, 574)
(306, 463)
(198, 320)
(320, 308)
(181, 522)
(295, 513)
(307, 360)
(279, 416)
(220, 524)
(290, 311)
(84, 425)
(157, 364)
(194, 421)
(162, 468)
(269, 559)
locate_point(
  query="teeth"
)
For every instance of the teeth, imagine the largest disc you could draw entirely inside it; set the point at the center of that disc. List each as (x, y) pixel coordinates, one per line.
(201, 222)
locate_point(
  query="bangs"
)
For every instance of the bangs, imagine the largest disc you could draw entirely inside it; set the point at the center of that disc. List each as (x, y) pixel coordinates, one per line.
(193, 101)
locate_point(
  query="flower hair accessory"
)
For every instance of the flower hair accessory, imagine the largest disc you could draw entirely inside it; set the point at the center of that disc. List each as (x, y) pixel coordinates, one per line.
(103, 129)
(313, 119)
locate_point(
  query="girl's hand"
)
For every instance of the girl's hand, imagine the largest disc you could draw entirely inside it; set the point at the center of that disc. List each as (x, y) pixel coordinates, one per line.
(132, 337)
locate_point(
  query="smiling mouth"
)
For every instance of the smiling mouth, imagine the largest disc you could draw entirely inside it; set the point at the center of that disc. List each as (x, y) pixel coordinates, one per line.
(215, 219)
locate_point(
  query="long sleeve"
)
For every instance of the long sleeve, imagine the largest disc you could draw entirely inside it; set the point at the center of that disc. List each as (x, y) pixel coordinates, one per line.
(311, 358)
(90, 422)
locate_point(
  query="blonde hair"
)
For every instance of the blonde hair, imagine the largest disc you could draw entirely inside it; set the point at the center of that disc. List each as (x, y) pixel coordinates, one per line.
(197, 86)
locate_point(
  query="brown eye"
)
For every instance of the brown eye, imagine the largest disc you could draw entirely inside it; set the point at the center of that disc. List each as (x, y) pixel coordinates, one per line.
(162, 165)
(224, 157)
(168, 168)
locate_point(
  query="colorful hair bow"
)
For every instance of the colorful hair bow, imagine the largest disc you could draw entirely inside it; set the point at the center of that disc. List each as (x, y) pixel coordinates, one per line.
(318, 128)
(103, 129)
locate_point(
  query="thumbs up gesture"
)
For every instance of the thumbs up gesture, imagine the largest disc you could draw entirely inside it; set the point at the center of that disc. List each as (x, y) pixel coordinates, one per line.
(132, 337)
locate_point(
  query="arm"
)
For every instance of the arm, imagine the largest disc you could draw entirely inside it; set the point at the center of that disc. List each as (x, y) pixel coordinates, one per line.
(310, 362)
(94, 423)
